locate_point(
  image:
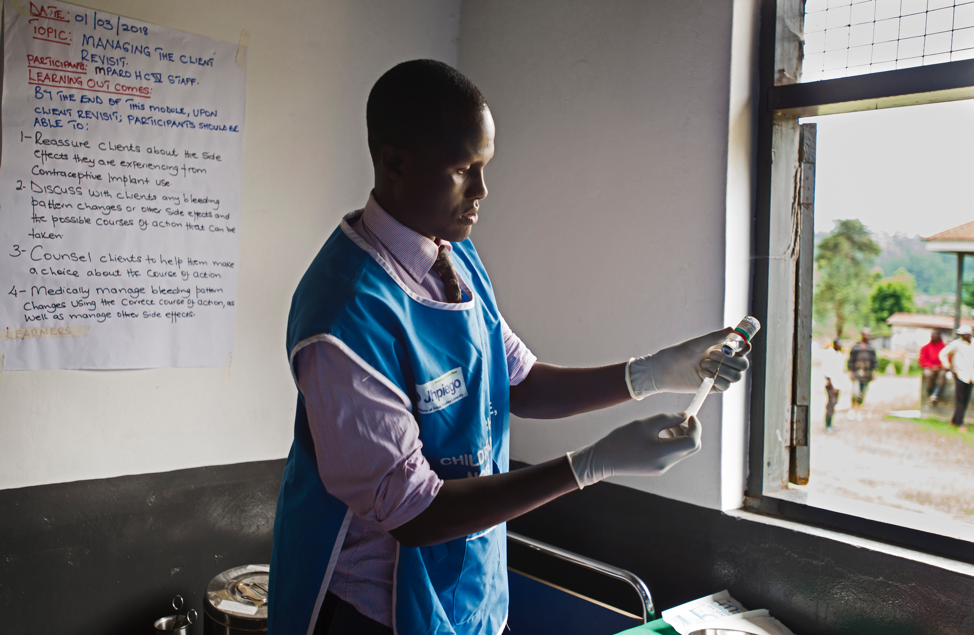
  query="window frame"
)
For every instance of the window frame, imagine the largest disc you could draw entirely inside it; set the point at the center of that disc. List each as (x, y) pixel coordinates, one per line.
(783, 241)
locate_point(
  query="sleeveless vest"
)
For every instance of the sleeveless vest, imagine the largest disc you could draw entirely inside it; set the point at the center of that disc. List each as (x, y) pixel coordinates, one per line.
(447, 363)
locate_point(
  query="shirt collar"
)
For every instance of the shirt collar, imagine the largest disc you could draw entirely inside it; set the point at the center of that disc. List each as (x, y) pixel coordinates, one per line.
(416, 253)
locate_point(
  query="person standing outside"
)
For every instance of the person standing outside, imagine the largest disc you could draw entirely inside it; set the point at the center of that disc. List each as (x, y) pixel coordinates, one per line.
(934, 372)
(862, 363)
(395, 494)
(959, 357)
(832, 369)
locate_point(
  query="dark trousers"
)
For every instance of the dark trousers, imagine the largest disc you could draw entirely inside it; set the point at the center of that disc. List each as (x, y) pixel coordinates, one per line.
(933, 379)
(833, 396)
(338, 617)
(962, 396)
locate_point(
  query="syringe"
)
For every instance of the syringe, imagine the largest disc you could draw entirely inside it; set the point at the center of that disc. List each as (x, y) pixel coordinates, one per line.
(698, 398)
(733, 343)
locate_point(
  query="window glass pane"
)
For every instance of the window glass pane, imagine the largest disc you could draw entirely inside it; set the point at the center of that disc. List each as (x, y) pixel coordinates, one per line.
(871, 36)
(882, 404)
(864, 12)
(937, 43)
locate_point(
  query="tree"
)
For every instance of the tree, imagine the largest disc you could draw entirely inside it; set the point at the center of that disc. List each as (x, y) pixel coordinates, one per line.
(892, 295)
(844, 260)
(967, 293)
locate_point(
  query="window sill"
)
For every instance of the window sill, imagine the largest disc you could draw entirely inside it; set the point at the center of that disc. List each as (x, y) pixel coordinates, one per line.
(933, 523)
(940, 562)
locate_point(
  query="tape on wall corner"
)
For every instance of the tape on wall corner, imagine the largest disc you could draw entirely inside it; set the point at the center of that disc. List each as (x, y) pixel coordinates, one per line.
(20, 8)
(242, 47)
(226, 372)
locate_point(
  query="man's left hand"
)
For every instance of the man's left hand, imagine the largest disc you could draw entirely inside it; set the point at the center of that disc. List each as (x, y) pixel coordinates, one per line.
(681, 368)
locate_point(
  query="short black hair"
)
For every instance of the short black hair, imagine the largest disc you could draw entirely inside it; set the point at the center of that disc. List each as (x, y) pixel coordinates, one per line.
(413, 101)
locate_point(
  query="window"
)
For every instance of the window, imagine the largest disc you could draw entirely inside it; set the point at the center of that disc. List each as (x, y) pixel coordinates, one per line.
(843, 38)
(784, 238)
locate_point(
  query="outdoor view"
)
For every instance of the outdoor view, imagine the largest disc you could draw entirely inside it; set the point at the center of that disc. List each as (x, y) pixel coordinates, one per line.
(894, 204)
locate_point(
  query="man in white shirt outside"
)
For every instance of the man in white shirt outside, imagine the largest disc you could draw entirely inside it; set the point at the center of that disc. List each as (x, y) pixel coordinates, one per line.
(958, 356)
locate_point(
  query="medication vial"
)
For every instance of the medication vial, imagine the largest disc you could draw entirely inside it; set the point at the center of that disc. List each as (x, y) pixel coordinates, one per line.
(736, 341)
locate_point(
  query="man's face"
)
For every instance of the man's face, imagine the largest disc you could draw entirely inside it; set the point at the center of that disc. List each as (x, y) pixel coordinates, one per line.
(966, 337)
(443, 183)
(935, 336)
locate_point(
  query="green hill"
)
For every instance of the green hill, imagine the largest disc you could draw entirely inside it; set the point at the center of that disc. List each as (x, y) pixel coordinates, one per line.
(935, 273)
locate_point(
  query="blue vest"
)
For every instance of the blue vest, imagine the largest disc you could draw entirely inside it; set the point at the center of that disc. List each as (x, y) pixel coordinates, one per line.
(447, 363)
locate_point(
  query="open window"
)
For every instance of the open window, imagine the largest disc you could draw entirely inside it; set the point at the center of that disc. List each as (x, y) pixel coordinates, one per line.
(835, 77)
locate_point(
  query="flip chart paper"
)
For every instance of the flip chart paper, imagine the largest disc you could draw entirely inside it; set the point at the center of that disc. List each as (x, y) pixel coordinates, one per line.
(120, 192)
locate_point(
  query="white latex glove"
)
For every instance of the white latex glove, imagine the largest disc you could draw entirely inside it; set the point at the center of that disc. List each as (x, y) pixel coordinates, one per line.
(646, 447)
(682, 367)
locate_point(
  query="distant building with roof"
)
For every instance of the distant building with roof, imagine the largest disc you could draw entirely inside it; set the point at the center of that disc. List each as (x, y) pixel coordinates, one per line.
(958, 240)
(912, 330)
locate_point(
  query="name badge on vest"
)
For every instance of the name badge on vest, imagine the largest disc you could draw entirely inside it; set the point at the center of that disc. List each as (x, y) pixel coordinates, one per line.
(443, 391)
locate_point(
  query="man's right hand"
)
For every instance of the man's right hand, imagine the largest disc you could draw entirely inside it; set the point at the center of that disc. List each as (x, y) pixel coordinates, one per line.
(645, 447)
(468, 505)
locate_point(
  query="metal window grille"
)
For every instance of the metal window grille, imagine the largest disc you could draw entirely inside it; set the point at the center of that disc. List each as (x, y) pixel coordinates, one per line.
(844, 38)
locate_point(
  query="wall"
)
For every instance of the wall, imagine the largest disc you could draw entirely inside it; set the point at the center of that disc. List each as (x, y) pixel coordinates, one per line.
(605, 228)
(107, 556)
(309, 69)
(618, 139)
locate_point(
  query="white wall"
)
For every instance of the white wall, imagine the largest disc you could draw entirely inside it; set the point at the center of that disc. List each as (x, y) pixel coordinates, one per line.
(310, 67)
(739, 211)
(619, 196)
(619, 128)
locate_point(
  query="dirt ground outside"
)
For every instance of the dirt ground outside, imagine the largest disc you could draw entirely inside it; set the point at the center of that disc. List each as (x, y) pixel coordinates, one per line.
(920, 466)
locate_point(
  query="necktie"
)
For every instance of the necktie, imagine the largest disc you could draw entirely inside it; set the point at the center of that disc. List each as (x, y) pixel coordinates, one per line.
(444, 269)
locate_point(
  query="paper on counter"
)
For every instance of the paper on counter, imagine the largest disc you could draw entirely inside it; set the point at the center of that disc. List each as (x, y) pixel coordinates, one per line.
(690, 616)
(237, 607)
(756, 625)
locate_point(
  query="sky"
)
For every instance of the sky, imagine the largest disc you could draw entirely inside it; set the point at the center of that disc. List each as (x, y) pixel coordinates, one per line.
(900, 170)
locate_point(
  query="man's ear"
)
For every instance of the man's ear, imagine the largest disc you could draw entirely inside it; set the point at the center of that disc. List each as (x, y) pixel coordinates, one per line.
(392, 160)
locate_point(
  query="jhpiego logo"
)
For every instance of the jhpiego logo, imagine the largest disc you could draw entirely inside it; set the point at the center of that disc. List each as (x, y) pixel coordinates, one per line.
(447, 389)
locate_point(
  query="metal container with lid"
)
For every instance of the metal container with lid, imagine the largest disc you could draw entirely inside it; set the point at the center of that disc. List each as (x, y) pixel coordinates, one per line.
(236, 601)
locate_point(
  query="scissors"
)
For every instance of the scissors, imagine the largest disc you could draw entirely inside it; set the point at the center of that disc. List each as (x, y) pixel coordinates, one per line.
(189, 617)
(253, 591)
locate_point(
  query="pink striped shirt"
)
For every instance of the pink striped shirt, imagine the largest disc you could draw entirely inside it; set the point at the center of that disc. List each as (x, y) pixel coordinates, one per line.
(366, 440)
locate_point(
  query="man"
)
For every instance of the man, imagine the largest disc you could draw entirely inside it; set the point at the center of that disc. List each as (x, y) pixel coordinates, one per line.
(934, 373)
(396, 490)
(862, 363)
(958, 356)
(833, 372)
